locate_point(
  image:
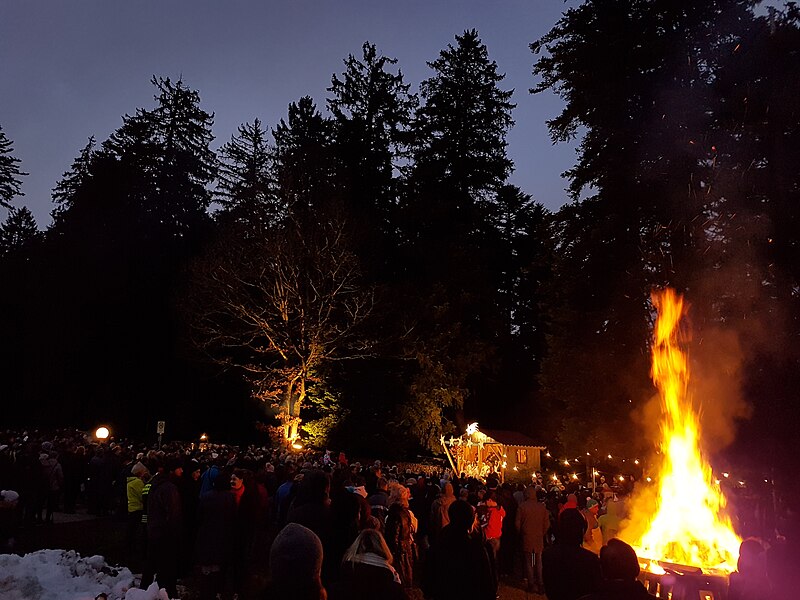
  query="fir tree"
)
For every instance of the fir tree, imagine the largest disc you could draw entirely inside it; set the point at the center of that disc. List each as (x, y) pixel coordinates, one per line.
(10, 182)
(246, 187)
(71, 182)
(18, 231)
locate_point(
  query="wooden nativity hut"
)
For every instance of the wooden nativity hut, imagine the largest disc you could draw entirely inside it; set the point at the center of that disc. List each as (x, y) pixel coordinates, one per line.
(478, 453)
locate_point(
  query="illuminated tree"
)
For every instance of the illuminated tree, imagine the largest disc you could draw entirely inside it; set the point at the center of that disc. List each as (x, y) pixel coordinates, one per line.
(277, 307)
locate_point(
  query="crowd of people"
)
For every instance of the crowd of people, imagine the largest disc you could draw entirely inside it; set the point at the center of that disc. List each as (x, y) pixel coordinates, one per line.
(277, 523)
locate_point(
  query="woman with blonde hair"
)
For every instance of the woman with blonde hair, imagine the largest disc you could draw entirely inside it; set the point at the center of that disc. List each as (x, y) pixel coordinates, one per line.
(367, 571)
(401, 526)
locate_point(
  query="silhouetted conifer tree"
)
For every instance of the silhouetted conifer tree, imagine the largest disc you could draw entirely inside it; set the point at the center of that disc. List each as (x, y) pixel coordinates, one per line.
(18, 231)
(246, 187)
(10, 173)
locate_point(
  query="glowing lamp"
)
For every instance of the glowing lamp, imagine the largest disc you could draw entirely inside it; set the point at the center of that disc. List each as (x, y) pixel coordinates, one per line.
(203, 437)
(102, 433)
(297, 446)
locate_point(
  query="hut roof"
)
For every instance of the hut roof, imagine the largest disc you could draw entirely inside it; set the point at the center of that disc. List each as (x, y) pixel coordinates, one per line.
(510, 438)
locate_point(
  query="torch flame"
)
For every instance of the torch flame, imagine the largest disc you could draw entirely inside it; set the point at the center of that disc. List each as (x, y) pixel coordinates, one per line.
(686, 523)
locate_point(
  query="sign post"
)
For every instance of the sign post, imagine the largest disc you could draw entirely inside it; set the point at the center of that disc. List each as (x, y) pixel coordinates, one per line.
(160, 431)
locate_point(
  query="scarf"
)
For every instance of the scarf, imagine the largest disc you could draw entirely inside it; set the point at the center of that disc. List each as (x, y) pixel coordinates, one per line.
(369, 558)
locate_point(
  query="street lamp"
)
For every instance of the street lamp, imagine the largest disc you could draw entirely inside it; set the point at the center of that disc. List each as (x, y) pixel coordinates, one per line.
(102, 433)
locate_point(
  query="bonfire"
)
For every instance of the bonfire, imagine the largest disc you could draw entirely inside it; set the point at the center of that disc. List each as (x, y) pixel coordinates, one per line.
(682, 520)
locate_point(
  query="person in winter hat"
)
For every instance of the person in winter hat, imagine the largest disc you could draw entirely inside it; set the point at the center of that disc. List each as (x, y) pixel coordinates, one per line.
(296, 564)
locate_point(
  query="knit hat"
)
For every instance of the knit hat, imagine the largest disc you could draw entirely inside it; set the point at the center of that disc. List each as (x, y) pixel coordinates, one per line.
(296, 554)
(174, 462)
(591, 503)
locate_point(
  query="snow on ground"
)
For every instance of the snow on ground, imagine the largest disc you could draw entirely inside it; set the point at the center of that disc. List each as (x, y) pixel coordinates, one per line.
(65, 575)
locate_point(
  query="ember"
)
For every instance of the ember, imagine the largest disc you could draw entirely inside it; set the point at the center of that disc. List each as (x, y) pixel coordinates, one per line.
(683, 521)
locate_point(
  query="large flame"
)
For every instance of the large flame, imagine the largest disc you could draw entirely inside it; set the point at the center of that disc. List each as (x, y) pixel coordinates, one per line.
(686, 522)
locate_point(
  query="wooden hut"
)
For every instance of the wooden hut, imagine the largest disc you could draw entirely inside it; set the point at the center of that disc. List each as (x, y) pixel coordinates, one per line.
(478, 453)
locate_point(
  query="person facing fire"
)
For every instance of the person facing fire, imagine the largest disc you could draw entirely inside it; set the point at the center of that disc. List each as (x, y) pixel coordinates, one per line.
(532, 523)
(620, 571)
(568, 570)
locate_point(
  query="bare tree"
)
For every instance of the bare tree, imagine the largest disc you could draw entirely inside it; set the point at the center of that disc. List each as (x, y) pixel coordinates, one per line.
(278, 304)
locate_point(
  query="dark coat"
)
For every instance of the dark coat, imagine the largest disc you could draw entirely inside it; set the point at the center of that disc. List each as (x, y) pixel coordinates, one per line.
(459, 567)
(164, 514)
(570, 572)
(532, 521)
(216, 517)
(366, 582)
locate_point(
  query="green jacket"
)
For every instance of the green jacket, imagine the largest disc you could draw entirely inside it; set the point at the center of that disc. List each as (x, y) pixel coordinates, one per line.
(135, 487)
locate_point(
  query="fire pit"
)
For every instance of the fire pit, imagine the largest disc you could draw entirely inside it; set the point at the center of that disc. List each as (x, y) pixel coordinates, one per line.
(681, 582)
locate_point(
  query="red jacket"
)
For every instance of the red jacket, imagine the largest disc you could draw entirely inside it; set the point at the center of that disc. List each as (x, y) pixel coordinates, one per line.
(493, 527)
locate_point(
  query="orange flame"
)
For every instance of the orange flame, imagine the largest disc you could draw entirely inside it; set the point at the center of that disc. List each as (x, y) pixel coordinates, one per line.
(685, 523)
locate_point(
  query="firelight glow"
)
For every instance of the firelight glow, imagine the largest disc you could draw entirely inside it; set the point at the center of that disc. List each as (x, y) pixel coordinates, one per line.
(688, 524)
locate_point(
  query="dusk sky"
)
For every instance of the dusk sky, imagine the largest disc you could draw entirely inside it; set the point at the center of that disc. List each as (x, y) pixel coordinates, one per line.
(71, 69)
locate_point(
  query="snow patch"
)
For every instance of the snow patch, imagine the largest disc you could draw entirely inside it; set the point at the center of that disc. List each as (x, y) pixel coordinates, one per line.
(65, 575)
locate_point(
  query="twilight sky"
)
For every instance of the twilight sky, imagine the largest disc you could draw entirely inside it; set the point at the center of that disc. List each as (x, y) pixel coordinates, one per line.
(71, 68)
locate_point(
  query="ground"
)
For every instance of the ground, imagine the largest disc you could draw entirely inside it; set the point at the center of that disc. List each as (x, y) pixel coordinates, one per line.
(106, 536)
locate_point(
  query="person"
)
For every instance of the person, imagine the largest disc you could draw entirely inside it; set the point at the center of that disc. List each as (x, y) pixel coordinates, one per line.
(439, 511)
(134, 486)
(216, 534)
(610, 522)
(8, 520)
(568, 570)
(401, 525)
(593, 538)
(367, 571)
(458, 563)
(296, 564)
(379, 501)
(52, 482)
(782, 555)
(492, 522)
(164, 528)
(532, 522)
(750, 581)
(620, 568)
(572, 502)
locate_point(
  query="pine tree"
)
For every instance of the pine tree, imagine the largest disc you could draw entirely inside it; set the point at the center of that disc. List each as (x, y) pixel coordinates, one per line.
(168, 148)
(71, 182)
(464, 119)
(18, 231)
(10, 182)
(450, 215)
(304, 159)
(372, 111)
(246, 187)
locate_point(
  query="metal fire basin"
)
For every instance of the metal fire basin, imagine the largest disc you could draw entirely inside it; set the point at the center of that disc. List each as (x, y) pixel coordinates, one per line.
(685, 583)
